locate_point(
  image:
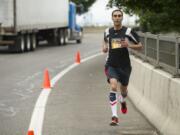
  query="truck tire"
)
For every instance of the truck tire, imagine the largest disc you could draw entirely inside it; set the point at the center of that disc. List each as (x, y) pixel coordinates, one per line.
(78, 41)
(19, 45)
(65, 36)
(27, 42)
(60, 37)
(33, 41)
(61, 40)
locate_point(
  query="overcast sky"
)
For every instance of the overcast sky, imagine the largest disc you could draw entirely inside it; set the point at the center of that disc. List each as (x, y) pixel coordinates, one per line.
(100, 15)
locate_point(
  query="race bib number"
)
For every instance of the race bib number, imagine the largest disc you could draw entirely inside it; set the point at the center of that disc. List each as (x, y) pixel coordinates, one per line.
(116, 43)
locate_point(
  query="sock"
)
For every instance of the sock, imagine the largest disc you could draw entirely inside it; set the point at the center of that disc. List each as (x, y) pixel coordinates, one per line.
(113, 102)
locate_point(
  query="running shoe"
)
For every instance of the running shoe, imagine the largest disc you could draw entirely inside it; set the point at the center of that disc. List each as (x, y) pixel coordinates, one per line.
(123, 107)
(114, 121)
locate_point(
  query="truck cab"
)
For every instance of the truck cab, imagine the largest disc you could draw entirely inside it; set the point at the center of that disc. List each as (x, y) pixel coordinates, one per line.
(75, 31)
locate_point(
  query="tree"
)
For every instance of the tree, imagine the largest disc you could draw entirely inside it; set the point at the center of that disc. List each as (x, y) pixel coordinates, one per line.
(154, 15)
(83, 3)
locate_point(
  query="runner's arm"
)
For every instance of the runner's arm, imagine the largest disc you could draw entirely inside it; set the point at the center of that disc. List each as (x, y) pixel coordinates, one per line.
(135, 46)
(105, 41)
(128, 44)
(104, 47)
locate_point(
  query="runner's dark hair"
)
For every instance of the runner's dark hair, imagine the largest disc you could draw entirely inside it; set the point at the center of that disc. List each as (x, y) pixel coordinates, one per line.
(117, 10)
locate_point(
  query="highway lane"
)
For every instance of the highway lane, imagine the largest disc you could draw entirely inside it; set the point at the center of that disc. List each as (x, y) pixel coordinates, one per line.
(21, 78)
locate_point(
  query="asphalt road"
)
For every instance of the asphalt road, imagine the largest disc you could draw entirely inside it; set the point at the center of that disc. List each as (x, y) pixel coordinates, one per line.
(82, 106)
(77, 105)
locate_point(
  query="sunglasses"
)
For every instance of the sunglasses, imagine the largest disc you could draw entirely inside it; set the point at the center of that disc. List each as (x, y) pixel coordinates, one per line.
(117, 15)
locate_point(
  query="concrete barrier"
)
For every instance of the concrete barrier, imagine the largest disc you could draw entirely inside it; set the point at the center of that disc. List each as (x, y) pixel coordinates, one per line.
(157, 95)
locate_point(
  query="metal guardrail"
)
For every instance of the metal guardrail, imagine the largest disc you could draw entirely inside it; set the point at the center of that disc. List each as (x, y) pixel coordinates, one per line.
(160, 51)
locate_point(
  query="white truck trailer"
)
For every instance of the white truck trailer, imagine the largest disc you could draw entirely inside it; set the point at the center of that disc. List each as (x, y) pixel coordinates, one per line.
(24, 22)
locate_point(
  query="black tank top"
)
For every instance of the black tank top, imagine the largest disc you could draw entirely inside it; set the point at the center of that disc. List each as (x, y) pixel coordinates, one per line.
(117, 56)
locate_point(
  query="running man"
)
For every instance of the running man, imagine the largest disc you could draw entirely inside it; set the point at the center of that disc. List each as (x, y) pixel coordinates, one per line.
(116, 42)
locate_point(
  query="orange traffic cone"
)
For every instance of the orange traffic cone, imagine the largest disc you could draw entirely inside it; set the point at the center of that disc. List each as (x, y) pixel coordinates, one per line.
(30, 132)
(46, 84)
(78, 57)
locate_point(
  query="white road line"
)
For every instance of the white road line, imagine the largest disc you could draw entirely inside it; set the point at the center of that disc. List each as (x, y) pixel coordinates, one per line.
(37, 117)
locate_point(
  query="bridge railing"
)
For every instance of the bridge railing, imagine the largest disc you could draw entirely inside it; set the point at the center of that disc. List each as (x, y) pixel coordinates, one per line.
(160, 51)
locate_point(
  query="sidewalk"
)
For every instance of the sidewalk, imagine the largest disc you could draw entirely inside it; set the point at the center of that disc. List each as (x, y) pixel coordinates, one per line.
(79, 105)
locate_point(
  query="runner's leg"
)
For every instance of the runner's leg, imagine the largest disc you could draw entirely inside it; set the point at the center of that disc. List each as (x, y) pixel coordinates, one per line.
(113, 96)
(123, 99)
(113, 101)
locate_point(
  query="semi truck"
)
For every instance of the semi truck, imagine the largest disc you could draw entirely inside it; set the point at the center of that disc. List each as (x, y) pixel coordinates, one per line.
(23, 23)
